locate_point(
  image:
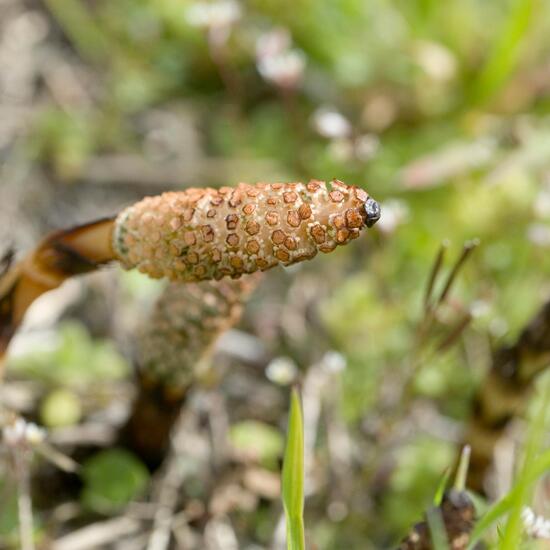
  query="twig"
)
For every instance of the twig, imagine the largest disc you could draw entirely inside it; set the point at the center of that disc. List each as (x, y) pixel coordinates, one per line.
(97, 535)
(430, 306)
(462, 470)
(455, 333)
(436, 268)
(217, 45)
(167, 489)
(466, 251)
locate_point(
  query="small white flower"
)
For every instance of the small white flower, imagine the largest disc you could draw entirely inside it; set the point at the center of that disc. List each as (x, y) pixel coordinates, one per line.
(334, 362)
(537, 527)
(277, 62)
(208, 15)
(284, 70)
(282, 371)
(331, 124)
(34, 434)
(21, 432)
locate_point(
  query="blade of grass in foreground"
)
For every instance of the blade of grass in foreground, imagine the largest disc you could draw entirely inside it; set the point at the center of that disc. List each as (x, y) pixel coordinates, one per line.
(513, 529)
(505, 53)
(438, 534)
(293, 476)
(540, 466)
(438, 497)
(537, 466)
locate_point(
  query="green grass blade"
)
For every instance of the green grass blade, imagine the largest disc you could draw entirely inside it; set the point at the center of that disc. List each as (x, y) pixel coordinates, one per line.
(293, 476)
(82, 28)
(537, 467)
(462, 470)
(513, 530)
(442, 485)
(505, 53)
(438, 533)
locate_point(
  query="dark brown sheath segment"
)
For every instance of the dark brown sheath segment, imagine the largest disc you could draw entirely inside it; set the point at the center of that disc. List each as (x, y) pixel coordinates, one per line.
(202, 234)
(59, 256)
(505, 391)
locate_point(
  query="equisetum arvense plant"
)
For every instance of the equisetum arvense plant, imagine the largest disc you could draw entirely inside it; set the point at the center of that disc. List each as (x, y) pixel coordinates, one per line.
(195, 235)
(183, 328)
(172, 344)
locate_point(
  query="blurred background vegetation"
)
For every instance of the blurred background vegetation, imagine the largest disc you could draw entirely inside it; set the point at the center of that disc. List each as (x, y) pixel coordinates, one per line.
(439, 109)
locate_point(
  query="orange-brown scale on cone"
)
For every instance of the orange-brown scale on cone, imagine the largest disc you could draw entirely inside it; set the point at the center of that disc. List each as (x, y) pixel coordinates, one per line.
(201, 234)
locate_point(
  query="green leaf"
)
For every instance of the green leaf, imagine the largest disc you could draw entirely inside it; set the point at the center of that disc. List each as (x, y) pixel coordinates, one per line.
(438, 534)
(513, 530)
(539, 467)
(112, 478)
(462, 470)
(61, 407)
(442, 485)
(506, 51)
(293, 476)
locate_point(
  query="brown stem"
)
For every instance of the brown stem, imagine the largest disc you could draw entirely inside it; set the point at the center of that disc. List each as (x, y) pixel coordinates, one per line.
(436, 268)
(173, 344)
(505, 390)
(59, 256)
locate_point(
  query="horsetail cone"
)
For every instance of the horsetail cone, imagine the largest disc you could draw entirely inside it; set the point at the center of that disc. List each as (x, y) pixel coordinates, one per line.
(202, 234)
(183, 327)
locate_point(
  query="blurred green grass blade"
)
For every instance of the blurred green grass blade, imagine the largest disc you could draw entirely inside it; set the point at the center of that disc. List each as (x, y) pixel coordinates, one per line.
(513, 530)
(440, 491)
(462, 470)
(536, 467)
(505, 52)
(293, 476)
(539, 467)
(81, 28)
(438, 533)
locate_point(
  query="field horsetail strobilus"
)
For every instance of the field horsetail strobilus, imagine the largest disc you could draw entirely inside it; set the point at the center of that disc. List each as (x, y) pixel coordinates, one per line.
(195, 235)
